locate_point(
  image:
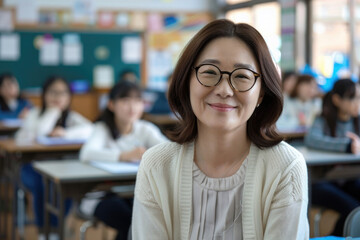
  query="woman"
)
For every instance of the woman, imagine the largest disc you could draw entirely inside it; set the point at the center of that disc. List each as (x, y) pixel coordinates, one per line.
(53, 119)
(119, 135)
(12, 106)
(227, 175)
(337, 129)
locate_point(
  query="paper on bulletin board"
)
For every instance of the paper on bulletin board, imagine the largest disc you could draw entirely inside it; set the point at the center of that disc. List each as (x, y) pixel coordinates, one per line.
(50, 53)
(9, 47)
(131, 48)
(26, 11)
(73, 54)
(103, 76)
(6, 21)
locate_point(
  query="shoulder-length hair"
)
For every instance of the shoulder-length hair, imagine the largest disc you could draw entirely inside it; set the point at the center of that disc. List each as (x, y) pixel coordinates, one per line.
(345, 89)
(261, 128)
(6, 77)
(120, 90)
(301, 79)
(61, 122)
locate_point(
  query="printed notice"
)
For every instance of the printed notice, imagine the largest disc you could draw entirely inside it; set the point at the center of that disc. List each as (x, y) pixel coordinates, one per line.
(131, 50)
(6, 22)
(72, 54)
(9, 47)
(50, 53)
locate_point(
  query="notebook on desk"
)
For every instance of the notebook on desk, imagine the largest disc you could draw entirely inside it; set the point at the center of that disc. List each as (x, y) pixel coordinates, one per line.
(116, 167)
(50, 141)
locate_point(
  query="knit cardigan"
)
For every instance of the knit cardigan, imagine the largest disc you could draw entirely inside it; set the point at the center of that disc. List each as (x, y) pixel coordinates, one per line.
(275, 193)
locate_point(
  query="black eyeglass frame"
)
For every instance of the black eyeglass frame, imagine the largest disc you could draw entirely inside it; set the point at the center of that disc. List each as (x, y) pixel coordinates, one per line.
(256, 75)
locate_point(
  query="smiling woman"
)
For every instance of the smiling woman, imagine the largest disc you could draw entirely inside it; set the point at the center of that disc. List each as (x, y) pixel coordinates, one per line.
(227, 175)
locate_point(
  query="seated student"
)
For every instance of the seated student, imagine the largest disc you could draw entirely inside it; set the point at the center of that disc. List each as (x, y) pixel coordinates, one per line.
(12, 106)
(126, 75)
(54, 119)
(288, 80)
(337, 129)
(302, 105)
(119, 135)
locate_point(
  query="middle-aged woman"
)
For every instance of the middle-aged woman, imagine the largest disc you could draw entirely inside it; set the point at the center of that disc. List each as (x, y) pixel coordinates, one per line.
(227, 174)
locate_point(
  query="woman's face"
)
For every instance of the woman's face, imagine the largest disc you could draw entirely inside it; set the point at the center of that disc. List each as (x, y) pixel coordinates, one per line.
(9, 89)
(220, 106)
(58, 96)
(128, 109)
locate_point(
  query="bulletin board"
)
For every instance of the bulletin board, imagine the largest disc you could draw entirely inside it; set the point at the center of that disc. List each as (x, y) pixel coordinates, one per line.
(31, 73)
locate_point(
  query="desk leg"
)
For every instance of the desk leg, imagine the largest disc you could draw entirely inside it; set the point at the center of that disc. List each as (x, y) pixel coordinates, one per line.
(47, 202)
(61, 213)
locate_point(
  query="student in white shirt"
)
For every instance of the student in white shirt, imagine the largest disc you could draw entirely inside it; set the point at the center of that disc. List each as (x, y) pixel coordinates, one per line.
(301, 106)
(227, 175)
(54, 119)
(119, 135)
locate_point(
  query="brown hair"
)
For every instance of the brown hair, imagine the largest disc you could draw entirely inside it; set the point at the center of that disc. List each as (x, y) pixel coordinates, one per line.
(301, 79)
(261, 128)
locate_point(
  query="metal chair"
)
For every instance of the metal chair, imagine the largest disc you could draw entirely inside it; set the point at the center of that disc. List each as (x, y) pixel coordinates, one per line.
(352, 224)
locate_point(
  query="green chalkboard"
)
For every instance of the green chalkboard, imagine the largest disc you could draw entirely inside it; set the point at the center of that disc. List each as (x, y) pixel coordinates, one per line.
(30, 73)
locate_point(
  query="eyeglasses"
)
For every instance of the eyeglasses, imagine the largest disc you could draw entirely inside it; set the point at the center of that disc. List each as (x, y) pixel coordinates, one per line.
(240, 79)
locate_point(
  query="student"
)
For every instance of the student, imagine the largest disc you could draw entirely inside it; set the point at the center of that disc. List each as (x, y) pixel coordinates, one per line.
(337, 129)
(302, 106)
(227, 175)
(119, 135)
(12, 106)
(288, 79)
(54, 119)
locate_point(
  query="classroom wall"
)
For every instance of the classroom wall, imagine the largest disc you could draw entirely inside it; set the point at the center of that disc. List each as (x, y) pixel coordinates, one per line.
(148, 5)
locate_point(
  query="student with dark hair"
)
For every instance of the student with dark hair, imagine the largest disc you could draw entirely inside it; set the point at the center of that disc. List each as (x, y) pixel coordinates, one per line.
(227, 175)
(288, 80)
(119, 135)
(12, 105)
(302, 105)
(54, 119)
(337, 129)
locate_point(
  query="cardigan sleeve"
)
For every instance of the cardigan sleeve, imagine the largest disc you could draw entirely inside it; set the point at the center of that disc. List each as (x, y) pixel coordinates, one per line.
(148, 220)
(316, 138)
(287, 218)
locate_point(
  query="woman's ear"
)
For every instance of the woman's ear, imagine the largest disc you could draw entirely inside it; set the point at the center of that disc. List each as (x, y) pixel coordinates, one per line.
(260, 99)
(336, 99)
(110, 105)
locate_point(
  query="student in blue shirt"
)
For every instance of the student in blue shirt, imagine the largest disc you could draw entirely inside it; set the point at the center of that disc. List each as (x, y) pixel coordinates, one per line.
(12, 106)
(337, 129)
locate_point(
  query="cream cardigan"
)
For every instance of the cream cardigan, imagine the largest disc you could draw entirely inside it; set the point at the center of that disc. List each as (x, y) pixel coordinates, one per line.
(274, 200)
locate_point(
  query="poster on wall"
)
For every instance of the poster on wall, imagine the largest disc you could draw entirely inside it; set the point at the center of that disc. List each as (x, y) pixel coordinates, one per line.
(131, 49)
(9, 47)
(50, 52)
(6, 21)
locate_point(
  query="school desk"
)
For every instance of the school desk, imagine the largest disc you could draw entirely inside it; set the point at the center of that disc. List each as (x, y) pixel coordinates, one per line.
(6, 129)
(72, 179)
(12, 158)
(327, 165)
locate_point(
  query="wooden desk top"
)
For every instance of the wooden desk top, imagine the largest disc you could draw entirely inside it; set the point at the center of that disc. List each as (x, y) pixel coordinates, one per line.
(10, 146)
(71, 171)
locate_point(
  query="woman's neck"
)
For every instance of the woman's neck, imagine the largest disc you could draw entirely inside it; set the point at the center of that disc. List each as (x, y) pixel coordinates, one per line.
(220, 154)
(344, 116)
(124, 128)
